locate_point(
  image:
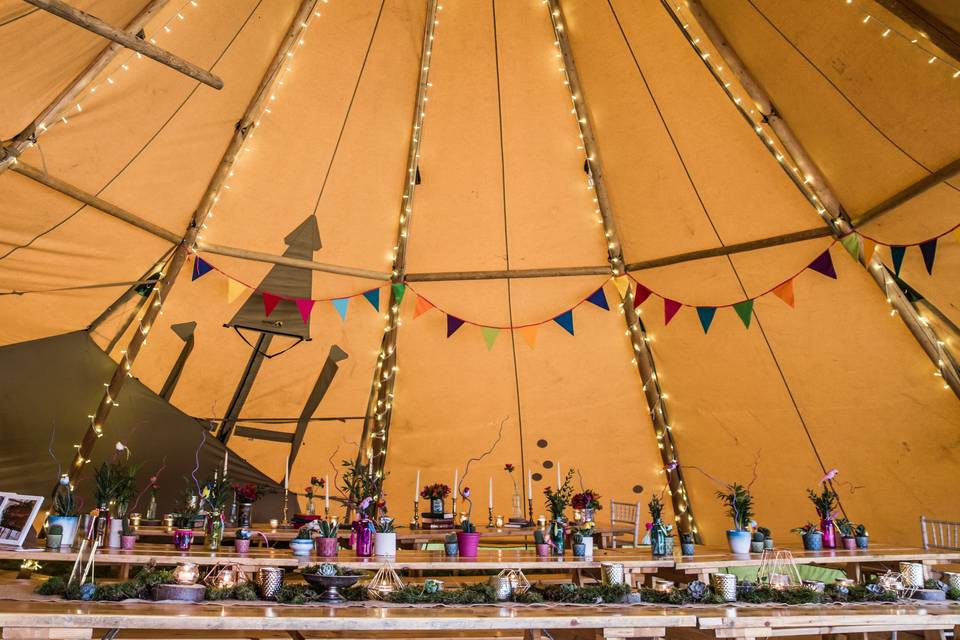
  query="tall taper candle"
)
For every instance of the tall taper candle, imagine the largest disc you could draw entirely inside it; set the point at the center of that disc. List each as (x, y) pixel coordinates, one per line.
(529, 484)
(416, 488)
(456, 477)
(286, 474)
(226, 453)
(326, 497)
(491, 492)
(558, 476)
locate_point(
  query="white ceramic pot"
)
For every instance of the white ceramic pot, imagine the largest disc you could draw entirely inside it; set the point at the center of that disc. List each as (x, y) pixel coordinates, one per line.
(385, 544)
(588, 543)
(69, 524)
(301, 547)
(116, 525)
(739, 541)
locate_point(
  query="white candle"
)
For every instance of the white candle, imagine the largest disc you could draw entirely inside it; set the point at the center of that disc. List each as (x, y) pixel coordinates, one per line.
(286, 474)
(456, 476)
(226, 454)
(326, 486)
(529, 484)
(416, 488)
(491, 492)
(558, 476)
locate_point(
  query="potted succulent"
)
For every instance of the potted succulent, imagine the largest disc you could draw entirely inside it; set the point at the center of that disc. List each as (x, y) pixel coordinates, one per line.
(436, 493)
(128, 535)
(658, 532)
(861, 536)
(846, 529)
(812, 536)
(756, 542)
(65, 512)
(557, 502)
(245, 495)
(767, 537)
(328, 545)
(241, 540)
(579, 549)
(302, 545)
(687, 546)
(450, 546)
(587, 502)
(468, 540)
(54, 536)
(183, 528)
(586, 535)
(385, 538)
(825, 503)
(542, 544)
(739, 504)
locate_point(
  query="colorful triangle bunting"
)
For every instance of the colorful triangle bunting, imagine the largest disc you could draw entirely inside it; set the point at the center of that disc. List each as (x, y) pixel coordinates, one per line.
(269, 303)
(745, 311)
(305, 306)
(640, 295)
(489, 336)
(598, 298)
(852, 244)
(373, 297)
(398, 290)
(234, 289)
(706, 317)
(784, 292)
(453, 323)
(929, 251)
(670, 308)
(869, 246)
(623, 284)
(340, 304)
(897, 253)
(529, 334)
(565, 320)
(422, 306)
(824, 264)
(200, 268)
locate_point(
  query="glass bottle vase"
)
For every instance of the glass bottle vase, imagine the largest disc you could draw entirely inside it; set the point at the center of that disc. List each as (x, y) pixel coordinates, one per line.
(214, 531)
(658, 539)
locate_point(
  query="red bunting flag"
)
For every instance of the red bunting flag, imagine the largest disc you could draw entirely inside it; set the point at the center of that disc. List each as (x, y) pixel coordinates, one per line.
(269, 303)
(670, 308)
(640, 294)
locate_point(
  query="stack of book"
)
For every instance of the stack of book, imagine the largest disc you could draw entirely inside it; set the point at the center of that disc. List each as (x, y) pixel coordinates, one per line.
(436, 521)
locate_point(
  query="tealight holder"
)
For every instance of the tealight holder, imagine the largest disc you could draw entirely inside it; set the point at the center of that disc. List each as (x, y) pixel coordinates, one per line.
(274, 524)
(186, 573)
(168, 522)
(135, 520)
(499, 522)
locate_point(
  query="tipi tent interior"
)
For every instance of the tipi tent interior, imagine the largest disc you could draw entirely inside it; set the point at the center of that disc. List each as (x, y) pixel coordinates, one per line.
(670, 245)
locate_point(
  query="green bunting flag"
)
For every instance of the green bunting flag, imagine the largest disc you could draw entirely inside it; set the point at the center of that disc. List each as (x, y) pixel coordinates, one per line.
(745, 311)
(489, 336)
(852, 244)
(398, 290)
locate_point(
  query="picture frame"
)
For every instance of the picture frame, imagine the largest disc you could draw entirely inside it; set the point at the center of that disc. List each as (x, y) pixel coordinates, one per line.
(17, 513)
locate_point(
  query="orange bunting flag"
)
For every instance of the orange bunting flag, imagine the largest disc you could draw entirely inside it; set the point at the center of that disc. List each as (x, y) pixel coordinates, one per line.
(422, 306)
(785, 292)
(869, 246)
(529, 335)
(622, 283)
(234, 289)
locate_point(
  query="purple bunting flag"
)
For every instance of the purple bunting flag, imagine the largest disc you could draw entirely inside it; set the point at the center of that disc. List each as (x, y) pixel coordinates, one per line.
(453, 323)
(824, 264)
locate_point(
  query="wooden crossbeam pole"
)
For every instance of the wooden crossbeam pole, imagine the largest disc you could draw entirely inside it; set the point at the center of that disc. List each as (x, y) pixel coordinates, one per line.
(929, 25)
(642, 355)
(833, 213)
(179, 258)
(376, 425)
(67, 98)
(125, 39)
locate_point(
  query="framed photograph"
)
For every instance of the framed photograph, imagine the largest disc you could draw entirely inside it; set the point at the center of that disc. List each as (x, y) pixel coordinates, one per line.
(17, 514)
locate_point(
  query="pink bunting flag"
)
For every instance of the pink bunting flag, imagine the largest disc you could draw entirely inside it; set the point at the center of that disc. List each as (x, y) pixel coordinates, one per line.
(305, 306)
(269, 303)
(670, 308)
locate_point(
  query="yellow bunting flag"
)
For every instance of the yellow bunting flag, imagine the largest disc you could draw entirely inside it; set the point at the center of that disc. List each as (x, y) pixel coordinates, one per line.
(423, 305)
(785, 292)
(622, 283)
(956, 235)
(529, 334)
(234, 289)
(489, 336)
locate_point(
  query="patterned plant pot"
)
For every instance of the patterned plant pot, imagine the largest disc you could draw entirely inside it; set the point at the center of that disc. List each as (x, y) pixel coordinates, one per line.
(862, 542)
(813, 541)
(849, 542)
(301, 547)
(688, 548)
(768, 543)
(543, 550)
(756, 546)
(579, 549)
(451, 549)
(241, 546)
(127, 542)
(328, 547)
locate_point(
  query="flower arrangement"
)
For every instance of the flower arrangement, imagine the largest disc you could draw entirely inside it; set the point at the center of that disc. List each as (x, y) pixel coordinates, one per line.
(319, 483)
(739, 504)
(655, 507)
(248, 493)
(846, 527)
(557, 501)
(824, 502)
(215, 493)
(65, 501)
(467, 525)
(436, 491)
(587, 499)
(361, 490)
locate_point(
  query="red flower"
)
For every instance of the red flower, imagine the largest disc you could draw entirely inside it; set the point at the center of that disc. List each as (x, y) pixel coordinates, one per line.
(508, 468)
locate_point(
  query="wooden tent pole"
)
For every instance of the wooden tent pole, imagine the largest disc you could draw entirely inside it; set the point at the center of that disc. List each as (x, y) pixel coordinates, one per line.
(125, 39)
(833, 212)
(28, 136)
(643, 357)
(130, 292)
(179, 258)
(376, 425)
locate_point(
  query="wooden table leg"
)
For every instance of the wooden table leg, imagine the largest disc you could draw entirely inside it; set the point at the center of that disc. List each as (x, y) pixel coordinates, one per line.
(533, 634)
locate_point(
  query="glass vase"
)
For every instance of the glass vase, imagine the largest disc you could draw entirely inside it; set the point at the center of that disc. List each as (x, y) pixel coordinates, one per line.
(362, 538)
(214, 531)
(244, 514)
(829, 534)
(556, 537)
(658, 539)
(151, 513)
(517, 514)
(310, 508)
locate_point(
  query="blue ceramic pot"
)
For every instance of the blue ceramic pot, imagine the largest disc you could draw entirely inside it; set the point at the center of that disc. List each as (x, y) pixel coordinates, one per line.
(738, 541)
(813, 541)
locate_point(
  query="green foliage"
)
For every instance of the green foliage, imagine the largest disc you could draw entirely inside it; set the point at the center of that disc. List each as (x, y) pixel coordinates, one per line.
(792, 595)
(590, 594)
(468, 527)
(304, 533)
(451, 538)
(116, 484)
(361, 488)
(739, 504)
(472, 594)
(328, 529)
(765, 531)
(805, 529)
(55, 586)
(55, 530)
(141, 586)
(341, 571)
(528, 597)
(558, 501)
(655, 506)
(953, 594)
(846, 527)
(824, 502)
(385, 525)
(243, 591)
(758, 536)
(538, 537)
(65, 502)
(296, 594)
(861, 531)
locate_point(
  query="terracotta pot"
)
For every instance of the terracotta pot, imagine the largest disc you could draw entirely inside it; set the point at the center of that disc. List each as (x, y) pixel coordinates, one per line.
(328, 547)
(127, 542)
(849, 542)
(241, 546)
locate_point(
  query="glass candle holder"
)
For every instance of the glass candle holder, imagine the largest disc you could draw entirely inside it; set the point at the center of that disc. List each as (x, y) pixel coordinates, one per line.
(135, 520)
(274, 523)
(186, 573)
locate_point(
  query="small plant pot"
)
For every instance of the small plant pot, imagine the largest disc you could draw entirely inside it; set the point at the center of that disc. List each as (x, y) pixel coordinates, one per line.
(385, 544)
(813, 541)
(543, 550)
(738, 541)
(768, 543)
(301, 547)
(756, 546)
(849, 542)
(328, 547)
(469, 544)
(451, 549)
(588, 544)
(54, 540)
(862, 542)
(127, 542)
(182, 539)
(688, 548)
(579, 550)
(241, 546)
(69, 524)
